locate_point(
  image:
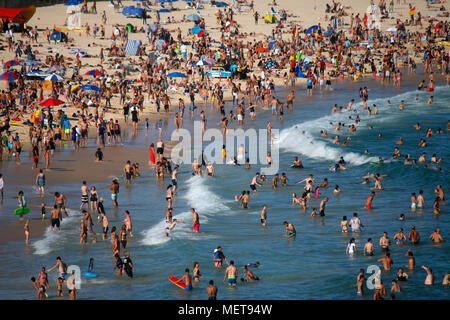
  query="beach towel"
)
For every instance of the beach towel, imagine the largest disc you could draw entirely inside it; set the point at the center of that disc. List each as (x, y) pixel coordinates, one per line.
(132, 47)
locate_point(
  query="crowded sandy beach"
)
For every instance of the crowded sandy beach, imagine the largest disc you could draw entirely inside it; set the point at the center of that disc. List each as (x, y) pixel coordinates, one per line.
(120, 168)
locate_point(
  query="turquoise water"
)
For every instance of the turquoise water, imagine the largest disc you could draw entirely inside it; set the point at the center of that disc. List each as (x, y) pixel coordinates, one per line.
(311, 266)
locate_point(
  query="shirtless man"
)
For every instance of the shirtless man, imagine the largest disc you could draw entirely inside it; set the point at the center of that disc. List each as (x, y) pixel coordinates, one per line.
(248, 275)
(255, 182)
(128, 173)
(264, 216)
(55, 217)
(290, 230)
(429, 280)
(411, 259)
(231, 274)
(387, 261)
(275, 180)
(290, 100)
(210, 169)
(105, 225)
(385, 242)
(322, 206)
(211, 290)
(84, 196)
(436, 236)
(414, 236)
(195, 221)
(420, 200)
(114, 187)
(368, 248)
(60, 201)
(187, 278)
(62, 268)
(175, 179)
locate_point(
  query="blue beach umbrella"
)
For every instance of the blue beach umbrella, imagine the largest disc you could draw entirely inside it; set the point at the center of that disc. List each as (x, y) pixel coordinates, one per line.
(193, 17)
(73, 2)
(221, 4)
(311, 29)
(90, 87)
(176, 75)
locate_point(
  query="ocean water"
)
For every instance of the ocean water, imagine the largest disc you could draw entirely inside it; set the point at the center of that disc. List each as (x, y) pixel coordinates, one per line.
(313, 265)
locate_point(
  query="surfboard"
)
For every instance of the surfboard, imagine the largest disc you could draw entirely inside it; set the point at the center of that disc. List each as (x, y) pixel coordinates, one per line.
(175, 280)
(90, 274)
(22, 211)
(296, 166)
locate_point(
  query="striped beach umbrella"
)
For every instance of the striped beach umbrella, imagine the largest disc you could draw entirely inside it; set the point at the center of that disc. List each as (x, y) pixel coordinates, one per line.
(79, 53)
(54, 77)
(8, 76)
(11, 63)
(94, 73)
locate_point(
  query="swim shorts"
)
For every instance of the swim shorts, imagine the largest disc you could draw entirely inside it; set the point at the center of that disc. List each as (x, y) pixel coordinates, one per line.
(113, 196)
(231, 281)
(55, 222)
(196, 227)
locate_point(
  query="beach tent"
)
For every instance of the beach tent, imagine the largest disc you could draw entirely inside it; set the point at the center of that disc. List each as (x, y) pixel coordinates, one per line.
(20, 16)
(221, 4)
(270, 18)
(132, 47)
(164, 10)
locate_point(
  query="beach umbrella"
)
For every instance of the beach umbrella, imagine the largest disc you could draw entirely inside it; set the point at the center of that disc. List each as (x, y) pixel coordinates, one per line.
(328, 32)
(55, 68)
(221, 4)
(211, 61)
(11, 63)
(94, 72)
(54, 77)
(73, 2)
(90, 87)
(193, 17)
(261, 50)
(176, 75)
(311, 29)
(8, 76)
(79, 53)
(30, 63)
(202, 63)
(50, 102)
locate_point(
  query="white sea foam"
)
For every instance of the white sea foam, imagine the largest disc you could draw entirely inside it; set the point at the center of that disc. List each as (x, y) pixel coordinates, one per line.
(52, 238)
(203, 200)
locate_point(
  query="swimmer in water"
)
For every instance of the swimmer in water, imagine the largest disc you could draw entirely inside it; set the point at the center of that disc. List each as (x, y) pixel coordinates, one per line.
(290, 230)
(174, 223)
(369, 200)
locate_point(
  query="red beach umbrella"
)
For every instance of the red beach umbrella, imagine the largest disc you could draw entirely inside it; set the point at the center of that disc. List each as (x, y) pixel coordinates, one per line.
(51, 102)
